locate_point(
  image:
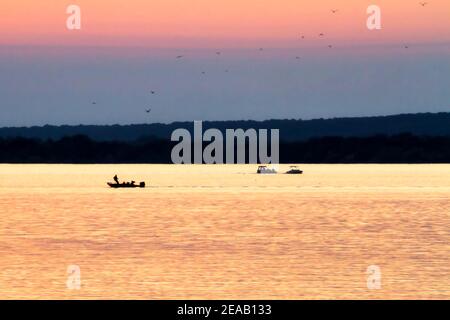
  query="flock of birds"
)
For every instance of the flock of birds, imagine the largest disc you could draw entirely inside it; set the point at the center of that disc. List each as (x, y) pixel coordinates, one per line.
(302, 37)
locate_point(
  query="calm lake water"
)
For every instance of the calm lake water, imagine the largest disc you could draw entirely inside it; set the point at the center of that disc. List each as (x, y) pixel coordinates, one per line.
(224, 232)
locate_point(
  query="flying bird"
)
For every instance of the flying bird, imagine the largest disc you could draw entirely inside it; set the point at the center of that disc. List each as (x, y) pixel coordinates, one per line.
(152, 92)
(148, 110)
(218, 53)
(330, 46)
(334, 11)
(423, 4)
(179, 57)
(321, 34)
(94, 102)
(298, 58)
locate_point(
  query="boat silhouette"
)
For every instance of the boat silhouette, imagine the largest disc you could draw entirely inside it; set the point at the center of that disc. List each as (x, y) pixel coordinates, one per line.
(265, 170)
(126, 185)
(294, 170)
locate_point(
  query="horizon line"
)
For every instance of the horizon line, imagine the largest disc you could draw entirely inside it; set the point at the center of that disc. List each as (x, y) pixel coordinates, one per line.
(209, 121)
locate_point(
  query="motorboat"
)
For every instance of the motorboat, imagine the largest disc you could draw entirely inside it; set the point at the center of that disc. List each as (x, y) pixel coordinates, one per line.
(126, 185)
(294, 170)
(266, 170)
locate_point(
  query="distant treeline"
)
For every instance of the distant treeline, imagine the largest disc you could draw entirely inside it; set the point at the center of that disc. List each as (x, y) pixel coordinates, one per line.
(400, 148)
(422, 124)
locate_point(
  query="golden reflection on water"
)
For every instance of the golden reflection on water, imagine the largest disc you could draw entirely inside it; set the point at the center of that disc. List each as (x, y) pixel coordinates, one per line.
(224, 232)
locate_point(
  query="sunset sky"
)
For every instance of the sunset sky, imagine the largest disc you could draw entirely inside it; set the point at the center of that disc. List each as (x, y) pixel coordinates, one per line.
(206, 23)
(49, 74)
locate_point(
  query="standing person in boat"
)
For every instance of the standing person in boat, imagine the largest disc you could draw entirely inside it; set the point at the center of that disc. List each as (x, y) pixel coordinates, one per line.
(116, 179)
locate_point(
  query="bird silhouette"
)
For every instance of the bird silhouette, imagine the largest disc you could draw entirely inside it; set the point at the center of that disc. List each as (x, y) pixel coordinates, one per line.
(321, 34)
(94, 102)
(330, 46)
(297, 58)
(303, 37)
(148, 110)
(406, 47)
(334, 11)
(423, 4)
(179, 57)
(152, 92)
(218, 53)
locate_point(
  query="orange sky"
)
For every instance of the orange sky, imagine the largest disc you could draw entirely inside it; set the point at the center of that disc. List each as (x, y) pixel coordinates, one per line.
(204, 23)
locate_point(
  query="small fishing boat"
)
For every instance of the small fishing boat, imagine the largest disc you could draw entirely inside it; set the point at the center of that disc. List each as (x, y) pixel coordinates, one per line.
(294, 170)
(265, 170)
(126, 185)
